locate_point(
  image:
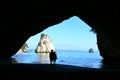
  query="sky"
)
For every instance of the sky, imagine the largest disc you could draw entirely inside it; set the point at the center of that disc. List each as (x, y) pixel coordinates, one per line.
(70, 34)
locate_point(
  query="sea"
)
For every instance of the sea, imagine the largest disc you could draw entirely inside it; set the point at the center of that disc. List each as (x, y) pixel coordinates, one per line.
(67, 57)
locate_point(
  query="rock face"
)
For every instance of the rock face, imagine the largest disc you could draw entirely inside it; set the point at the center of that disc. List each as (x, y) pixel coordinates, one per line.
(22, 20)
(45, 45)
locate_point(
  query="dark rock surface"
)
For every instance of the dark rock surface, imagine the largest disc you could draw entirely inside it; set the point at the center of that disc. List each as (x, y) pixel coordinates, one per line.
(21, 20)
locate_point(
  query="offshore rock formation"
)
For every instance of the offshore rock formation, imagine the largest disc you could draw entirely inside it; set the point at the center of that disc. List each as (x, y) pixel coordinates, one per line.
(91, 50)
(23, 48)
(45, 45)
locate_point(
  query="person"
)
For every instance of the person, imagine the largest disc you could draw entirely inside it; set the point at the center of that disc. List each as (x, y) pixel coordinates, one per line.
(52, 57)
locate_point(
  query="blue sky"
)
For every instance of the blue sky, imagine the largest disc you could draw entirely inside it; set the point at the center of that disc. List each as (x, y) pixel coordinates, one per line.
(71, 34)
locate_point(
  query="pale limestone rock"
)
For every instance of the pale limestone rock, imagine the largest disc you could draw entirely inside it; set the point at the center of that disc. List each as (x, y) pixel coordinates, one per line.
(45, 45)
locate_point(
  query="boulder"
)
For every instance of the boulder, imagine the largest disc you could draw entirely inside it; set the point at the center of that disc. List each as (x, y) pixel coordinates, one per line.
(91, 50)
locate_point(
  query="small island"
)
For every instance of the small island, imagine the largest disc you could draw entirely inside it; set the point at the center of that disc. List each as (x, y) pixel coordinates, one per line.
(23, 48)
(91, 50)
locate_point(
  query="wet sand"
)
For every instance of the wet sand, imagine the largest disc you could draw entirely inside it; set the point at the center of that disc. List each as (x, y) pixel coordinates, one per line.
(54, 72)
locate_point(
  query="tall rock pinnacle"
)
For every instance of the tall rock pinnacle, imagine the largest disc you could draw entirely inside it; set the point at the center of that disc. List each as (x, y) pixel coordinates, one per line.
(45, 44)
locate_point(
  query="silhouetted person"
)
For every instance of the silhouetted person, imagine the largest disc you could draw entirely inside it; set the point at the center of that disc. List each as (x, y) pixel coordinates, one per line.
(53, 57)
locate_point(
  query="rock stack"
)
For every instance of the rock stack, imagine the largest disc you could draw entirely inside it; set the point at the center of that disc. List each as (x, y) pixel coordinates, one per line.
(91, 50)
(45, 44)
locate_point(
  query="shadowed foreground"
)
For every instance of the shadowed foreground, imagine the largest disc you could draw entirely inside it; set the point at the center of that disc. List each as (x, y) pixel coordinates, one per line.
(54, 71)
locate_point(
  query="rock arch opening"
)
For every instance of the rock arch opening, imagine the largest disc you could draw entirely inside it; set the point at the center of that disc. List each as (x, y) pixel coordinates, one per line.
(70, 36)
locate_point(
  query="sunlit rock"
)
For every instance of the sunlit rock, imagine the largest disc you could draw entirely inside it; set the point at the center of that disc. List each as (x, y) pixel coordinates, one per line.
(23, 48)
(45, 45)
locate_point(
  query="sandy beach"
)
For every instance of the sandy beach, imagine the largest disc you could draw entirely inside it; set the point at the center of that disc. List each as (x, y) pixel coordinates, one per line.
(54, 71)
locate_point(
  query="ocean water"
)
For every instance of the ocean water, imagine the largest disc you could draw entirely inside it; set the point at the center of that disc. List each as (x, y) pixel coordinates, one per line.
(67, 57)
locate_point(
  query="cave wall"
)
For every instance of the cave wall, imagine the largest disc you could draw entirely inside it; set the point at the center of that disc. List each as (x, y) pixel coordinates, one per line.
(21, 20)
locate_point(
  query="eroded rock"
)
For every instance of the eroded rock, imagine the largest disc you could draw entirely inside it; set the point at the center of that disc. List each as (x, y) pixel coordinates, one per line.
(45, 44)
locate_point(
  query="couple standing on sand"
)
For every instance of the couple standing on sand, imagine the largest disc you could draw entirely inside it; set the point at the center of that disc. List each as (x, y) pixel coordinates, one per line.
(52, 57)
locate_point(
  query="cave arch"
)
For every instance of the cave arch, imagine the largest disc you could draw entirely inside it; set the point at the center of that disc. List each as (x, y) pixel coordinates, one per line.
(67, 32)
(27, 14)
